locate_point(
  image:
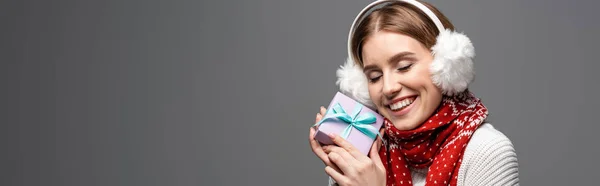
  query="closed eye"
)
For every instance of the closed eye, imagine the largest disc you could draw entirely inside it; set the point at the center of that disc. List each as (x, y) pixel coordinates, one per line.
(373, 76)
(374, 79)
(405, 68)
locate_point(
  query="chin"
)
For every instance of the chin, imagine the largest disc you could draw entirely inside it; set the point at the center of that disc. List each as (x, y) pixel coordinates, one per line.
(404, 125)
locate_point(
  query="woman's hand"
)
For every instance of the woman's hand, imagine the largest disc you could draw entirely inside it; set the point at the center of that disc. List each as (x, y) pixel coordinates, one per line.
(345, 164)
(316, 146)
(356, 168)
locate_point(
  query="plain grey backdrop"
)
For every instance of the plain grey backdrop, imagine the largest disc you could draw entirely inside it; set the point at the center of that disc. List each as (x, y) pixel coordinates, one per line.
(182, 92)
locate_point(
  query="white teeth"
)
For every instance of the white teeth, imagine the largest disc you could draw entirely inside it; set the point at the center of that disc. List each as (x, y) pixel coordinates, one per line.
(401, 104)
(395, 106)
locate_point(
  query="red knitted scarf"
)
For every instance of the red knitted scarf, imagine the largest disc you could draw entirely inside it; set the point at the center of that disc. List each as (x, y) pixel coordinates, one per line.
(438, 143)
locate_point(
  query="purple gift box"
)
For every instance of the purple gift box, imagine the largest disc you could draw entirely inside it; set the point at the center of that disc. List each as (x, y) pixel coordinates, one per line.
(337, 125)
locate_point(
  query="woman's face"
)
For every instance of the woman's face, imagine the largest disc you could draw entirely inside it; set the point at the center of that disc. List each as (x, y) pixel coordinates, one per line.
(400, 85)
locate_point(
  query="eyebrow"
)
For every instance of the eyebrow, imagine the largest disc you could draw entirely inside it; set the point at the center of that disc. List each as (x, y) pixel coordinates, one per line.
(392, 59)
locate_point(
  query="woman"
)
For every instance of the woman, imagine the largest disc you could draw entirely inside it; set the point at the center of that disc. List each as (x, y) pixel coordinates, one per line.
(408, 63)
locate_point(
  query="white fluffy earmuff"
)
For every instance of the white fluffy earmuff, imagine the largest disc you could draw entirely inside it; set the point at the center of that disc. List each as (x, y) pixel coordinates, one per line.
(451, 70)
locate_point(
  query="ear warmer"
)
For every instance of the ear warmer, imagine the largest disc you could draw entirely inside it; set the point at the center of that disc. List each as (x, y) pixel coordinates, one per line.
(451, 70)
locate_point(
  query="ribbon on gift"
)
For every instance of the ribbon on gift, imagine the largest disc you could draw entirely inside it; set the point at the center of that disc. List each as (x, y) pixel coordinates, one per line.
(361, 122)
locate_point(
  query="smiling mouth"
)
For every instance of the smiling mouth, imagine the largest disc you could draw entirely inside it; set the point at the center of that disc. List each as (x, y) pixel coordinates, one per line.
(399, 105)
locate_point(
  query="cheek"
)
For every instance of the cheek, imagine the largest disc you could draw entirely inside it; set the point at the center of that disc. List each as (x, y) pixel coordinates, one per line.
(421, 81)
(418, 78)
(375, 93)
(424, 73)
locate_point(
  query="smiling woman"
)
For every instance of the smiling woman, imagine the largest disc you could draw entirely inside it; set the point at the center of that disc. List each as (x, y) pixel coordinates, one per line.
(406, 60)
(405, 95)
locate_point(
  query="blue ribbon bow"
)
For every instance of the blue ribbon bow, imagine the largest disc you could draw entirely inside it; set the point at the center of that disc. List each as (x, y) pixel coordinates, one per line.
(360, 122)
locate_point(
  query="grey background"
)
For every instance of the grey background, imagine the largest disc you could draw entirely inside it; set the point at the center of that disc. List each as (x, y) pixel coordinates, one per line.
(124, 92)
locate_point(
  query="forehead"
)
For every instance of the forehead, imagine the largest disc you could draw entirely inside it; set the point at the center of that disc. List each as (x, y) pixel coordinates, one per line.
(384, 44)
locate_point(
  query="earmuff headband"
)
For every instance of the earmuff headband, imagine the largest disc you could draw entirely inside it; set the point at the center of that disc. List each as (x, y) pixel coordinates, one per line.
(380, 3)
(451, 69)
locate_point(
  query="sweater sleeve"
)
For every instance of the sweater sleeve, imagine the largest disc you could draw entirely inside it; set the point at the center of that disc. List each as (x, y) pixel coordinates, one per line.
(490, 159)
(332, 182)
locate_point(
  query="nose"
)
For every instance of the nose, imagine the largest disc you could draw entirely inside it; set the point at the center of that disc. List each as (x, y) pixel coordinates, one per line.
(391, 87)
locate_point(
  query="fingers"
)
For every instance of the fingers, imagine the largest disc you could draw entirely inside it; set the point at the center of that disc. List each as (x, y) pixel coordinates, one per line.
(316, 147)
(374, 152)
(381, 133)
(329, 149)
(318, 150)
(343, 162)
(341, 142)
(318, 118)
(321, 113)
(377, 144)
(337, 176)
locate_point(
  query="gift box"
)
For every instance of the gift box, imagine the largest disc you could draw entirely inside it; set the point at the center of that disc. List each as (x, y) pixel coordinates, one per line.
(351, 120)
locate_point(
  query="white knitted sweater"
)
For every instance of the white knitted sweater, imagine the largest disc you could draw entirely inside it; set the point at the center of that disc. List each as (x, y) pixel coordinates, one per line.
(489, 159)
